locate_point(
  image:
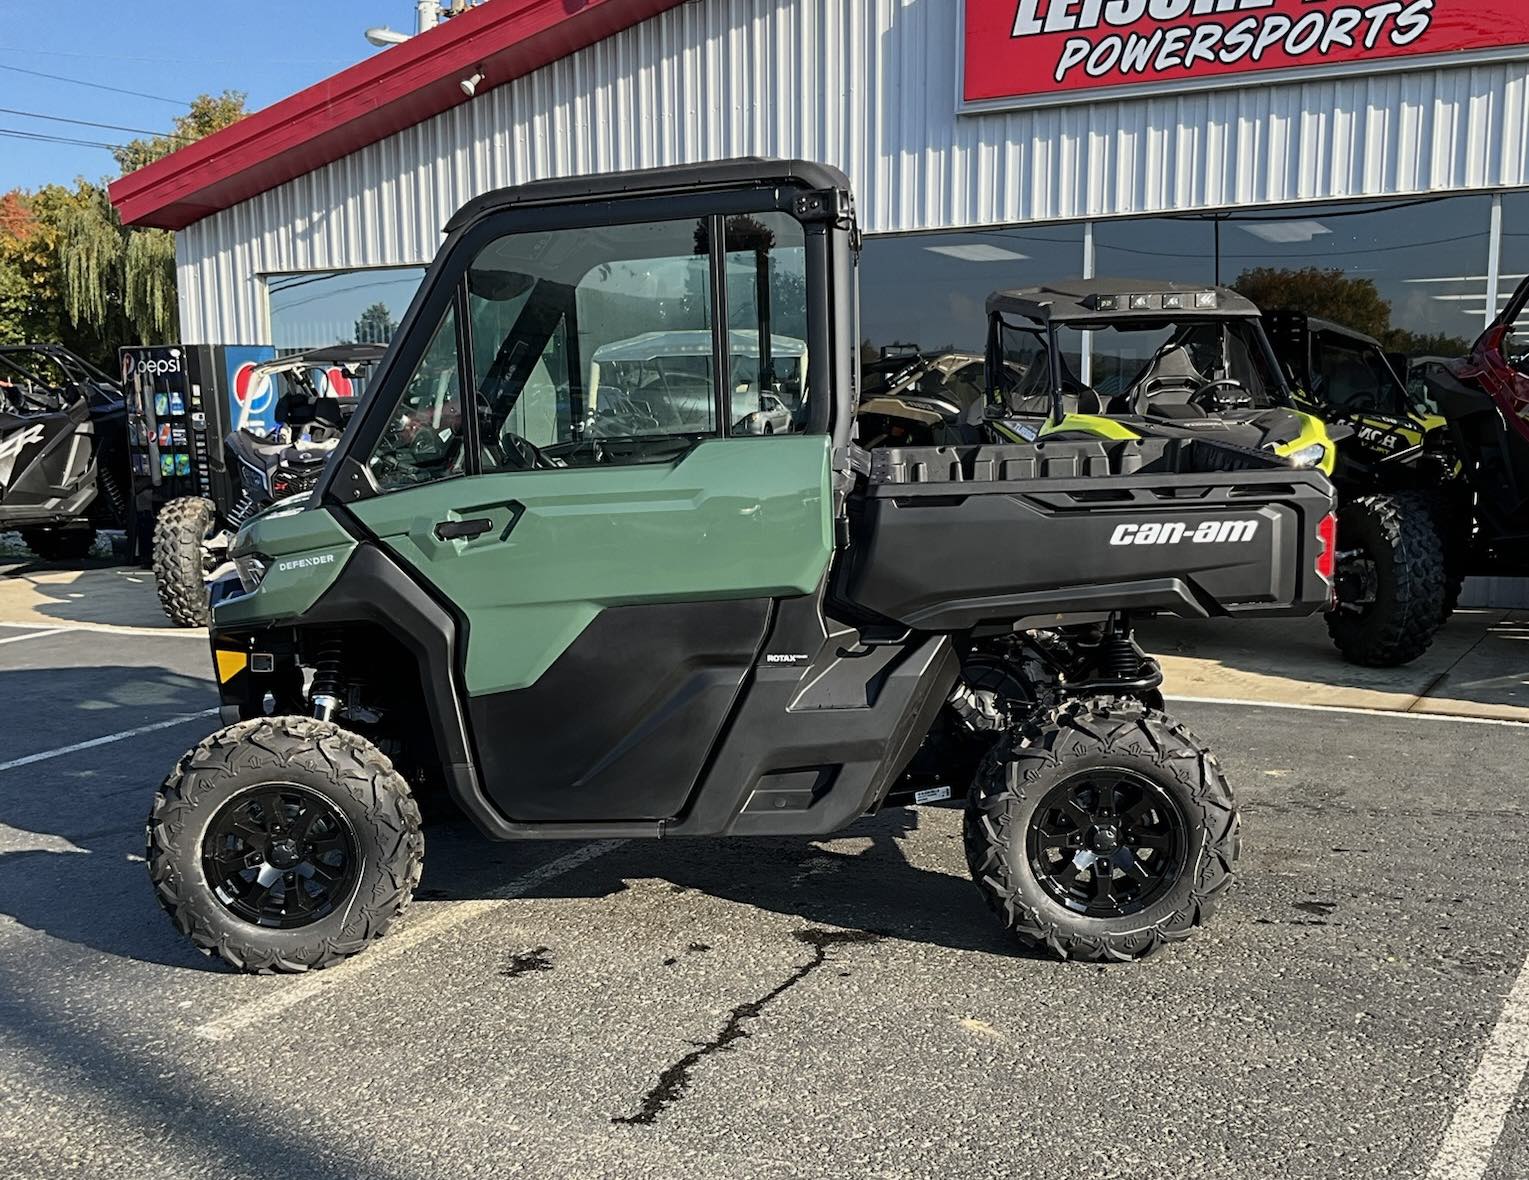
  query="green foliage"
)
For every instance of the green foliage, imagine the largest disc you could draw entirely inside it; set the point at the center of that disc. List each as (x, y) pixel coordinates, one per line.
(1355, 303)
(71, 272)
(376, 325)
(207, 114)
(1329, 294)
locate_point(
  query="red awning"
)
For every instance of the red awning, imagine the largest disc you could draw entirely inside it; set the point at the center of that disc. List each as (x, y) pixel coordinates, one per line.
(384, 94)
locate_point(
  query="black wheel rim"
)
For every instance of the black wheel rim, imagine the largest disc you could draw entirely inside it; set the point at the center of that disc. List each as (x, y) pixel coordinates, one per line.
(1107, 843)
(280, 856)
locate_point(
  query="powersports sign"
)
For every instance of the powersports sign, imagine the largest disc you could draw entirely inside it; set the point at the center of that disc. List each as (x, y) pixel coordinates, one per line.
(1031, 52)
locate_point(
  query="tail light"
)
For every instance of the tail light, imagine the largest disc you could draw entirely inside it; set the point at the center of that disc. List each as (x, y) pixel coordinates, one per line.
(1327, 555)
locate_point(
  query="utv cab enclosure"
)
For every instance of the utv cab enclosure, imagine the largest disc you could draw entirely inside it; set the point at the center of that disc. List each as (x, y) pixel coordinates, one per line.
(661, 622)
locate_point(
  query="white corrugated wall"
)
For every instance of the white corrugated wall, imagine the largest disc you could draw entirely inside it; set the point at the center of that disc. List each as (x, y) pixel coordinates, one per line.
(871, 87)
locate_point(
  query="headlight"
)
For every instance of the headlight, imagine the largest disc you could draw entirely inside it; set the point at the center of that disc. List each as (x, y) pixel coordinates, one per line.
(1311, 456)
(251, 567)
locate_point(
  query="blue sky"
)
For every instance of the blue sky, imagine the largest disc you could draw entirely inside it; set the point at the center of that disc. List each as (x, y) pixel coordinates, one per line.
(172, 49)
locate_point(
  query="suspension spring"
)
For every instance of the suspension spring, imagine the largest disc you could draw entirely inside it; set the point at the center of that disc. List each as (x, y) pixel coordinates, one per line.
(327, 670)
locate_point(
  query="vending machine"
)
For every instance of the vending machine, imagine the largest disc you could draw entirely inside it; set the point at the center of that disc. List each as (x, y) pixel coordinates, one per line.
(181, 401)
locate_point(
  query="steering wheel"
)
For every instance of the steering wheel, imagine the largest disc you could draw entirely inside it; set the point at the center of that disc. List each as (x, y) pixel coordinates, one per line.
(1211, 398)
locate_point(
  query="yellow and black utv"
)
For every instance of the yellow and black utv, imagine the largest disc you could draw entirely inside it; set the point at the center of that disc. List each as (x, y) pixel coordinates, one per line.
(1132, 358)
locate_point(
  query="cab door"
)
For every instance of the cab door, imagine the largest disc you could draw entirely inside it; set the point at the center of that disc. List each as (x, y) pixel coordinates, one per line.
(561, 468)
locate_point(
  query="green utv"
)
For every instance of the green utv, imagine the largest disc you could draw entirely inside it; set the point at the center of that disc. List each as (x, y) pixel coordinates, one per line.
(594, 597)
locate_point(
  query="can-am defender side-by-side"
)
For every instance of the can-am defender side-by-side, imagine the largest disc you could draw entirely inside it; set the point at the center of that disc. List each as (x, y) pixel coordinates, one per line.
(315, 395)
(63, 450)
(708, 631)
(1175, 361)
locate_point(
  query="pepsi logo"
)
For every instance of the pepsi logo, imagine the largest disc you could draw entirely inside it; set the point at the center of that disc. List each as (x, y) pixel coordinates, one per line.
(251, 390)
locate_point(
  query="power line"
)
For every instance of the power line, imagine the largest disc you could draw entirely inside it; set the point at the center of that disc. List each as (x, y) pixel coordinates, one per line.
(88, 123)
(38, 137)
(175, 102)
(171, 61)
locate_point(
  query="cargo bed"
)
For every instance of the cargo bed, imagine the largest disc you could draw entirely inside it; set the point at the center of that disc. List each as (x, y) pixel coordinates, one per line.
(1045, 534)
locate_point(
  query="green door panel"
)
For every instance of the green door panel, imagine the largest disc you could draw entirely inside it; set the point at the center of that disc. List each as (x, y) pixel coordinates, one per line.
(735, 518)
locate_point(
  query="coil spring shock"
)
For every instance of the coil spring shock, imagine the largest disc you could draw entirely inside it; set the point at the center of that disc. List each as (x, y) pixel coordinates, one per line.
(326, 675)
(1118, 656)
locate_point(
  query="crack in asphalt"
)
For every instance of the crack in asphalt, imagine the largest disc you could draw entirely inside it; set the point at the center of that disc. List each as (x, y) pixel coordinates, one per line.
(675, 1080)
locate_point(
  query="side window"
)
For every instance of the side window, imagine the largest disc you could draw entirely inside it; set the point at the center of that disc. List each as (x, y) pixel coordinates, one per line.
(593, 346)
(423, 441)
(767, 324)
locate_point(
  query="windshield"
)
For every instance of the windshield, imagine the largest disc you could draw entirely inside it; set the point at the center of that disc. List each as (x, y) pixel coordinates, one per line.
(1136, 365)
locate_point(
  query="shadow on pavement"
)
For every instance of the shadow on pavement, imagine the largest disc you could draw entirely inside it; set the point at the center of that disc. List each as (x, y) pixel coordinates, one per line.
(92, 591)
(860, 879)
(71, 827)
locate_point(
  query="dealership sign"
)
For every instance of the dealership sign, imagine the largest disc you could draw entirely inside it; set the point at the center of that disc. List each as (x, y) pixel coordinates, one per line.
(1028, 52)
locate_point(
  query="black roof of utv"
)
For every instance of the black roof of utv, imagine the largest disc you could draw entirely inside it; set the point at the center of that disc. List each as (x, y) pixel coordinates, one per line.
(1082, 301)
(687, 178)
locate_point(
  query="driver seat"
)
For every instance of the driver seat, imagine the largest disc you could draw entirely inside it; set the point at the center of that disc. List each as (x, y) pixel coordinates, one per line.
(1178, 373)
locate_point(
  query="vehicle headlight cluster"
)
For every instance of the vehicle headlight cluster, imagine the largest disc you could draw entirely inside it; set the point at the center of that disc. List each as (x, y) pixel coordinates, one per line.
(1311, 456)
(251, 568)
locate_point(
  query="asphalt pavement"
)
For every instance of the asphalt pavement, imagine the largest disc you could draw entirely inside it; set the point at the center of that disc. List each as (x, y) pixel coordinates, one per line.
(769, 1008)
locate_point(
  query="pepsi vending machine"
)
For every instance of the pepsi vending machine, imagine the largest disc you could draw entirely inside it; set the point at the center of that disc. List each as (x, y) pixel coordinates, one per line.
(181, 401)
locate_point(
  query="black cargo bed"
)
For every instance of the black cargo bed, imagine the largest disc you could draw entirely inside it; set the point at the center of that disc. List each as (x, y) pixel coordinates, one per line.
(950, 538)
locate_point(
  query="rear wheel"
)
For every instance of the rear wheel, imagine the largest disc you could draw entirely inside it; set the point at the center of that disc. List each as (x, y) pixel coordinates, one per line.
(1391, 580)
(284, 844)
(1101, 830)
(60, 544)
(182, 559)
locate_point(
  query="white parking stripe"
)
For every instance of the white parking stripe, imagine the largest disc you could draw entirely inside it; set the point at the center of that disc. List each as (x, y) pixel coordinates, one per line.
(1479, 1119)
(32, 635)
(405, 939)
(1400, 714)
(118, 629)
(107, 740)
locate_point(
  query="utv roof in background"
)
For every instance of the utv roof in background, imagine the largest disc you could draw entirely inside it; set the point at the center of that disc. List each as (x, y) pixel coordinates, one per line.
(1071, 301)
(1318, 324)
(687, 178)
(330, 354)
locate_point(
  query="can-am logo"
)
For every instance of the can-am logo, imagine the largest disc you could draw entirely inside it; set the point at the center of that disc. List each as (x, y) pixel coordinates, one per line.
(1179, 532)
(1032, 49)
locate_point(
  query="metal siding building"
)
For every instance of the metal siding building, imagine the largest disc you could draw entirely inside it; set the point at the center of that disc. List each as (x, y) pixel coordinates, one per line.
(872, 88)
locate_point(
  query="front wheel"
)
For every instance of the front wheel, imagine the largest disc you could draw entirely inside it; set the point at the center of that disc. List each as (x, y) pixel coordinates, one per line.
(1101, 830)
(1391, 580)
(183, 557)
(284, 844)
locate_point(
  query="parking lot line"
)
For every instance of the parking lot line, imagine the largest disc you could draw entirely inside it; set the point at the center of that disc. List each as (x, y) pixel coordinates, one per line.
(1483, 1111)
(1405, 715)
(107, 740)
(410, 936)
(118, 629)
(31, 635)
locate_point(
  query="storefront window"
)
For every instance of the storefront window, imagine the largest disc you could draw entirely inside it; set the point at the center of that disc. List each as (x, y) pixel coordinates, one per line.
(1515, 247)
(927, 293)
(1414, 275)
(1177, 249)
(314, 309)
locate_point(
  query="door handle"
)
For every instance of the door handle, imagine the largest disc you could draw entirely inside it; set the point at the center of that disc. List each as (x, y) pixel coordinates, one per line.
(463, 530)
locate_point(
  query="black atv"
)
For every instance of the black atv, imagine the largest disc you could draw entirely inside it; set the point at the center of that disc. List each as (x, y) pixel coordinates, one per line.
(63, 450)
(703, 630)
(192, 534)
(1404, 515)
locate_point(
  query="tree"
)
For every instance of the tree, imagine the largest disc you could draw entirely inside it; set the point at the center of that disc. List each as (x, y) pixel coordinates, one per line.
(376, 325)
(1328, 294)
(207, 114)
(71, 271)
